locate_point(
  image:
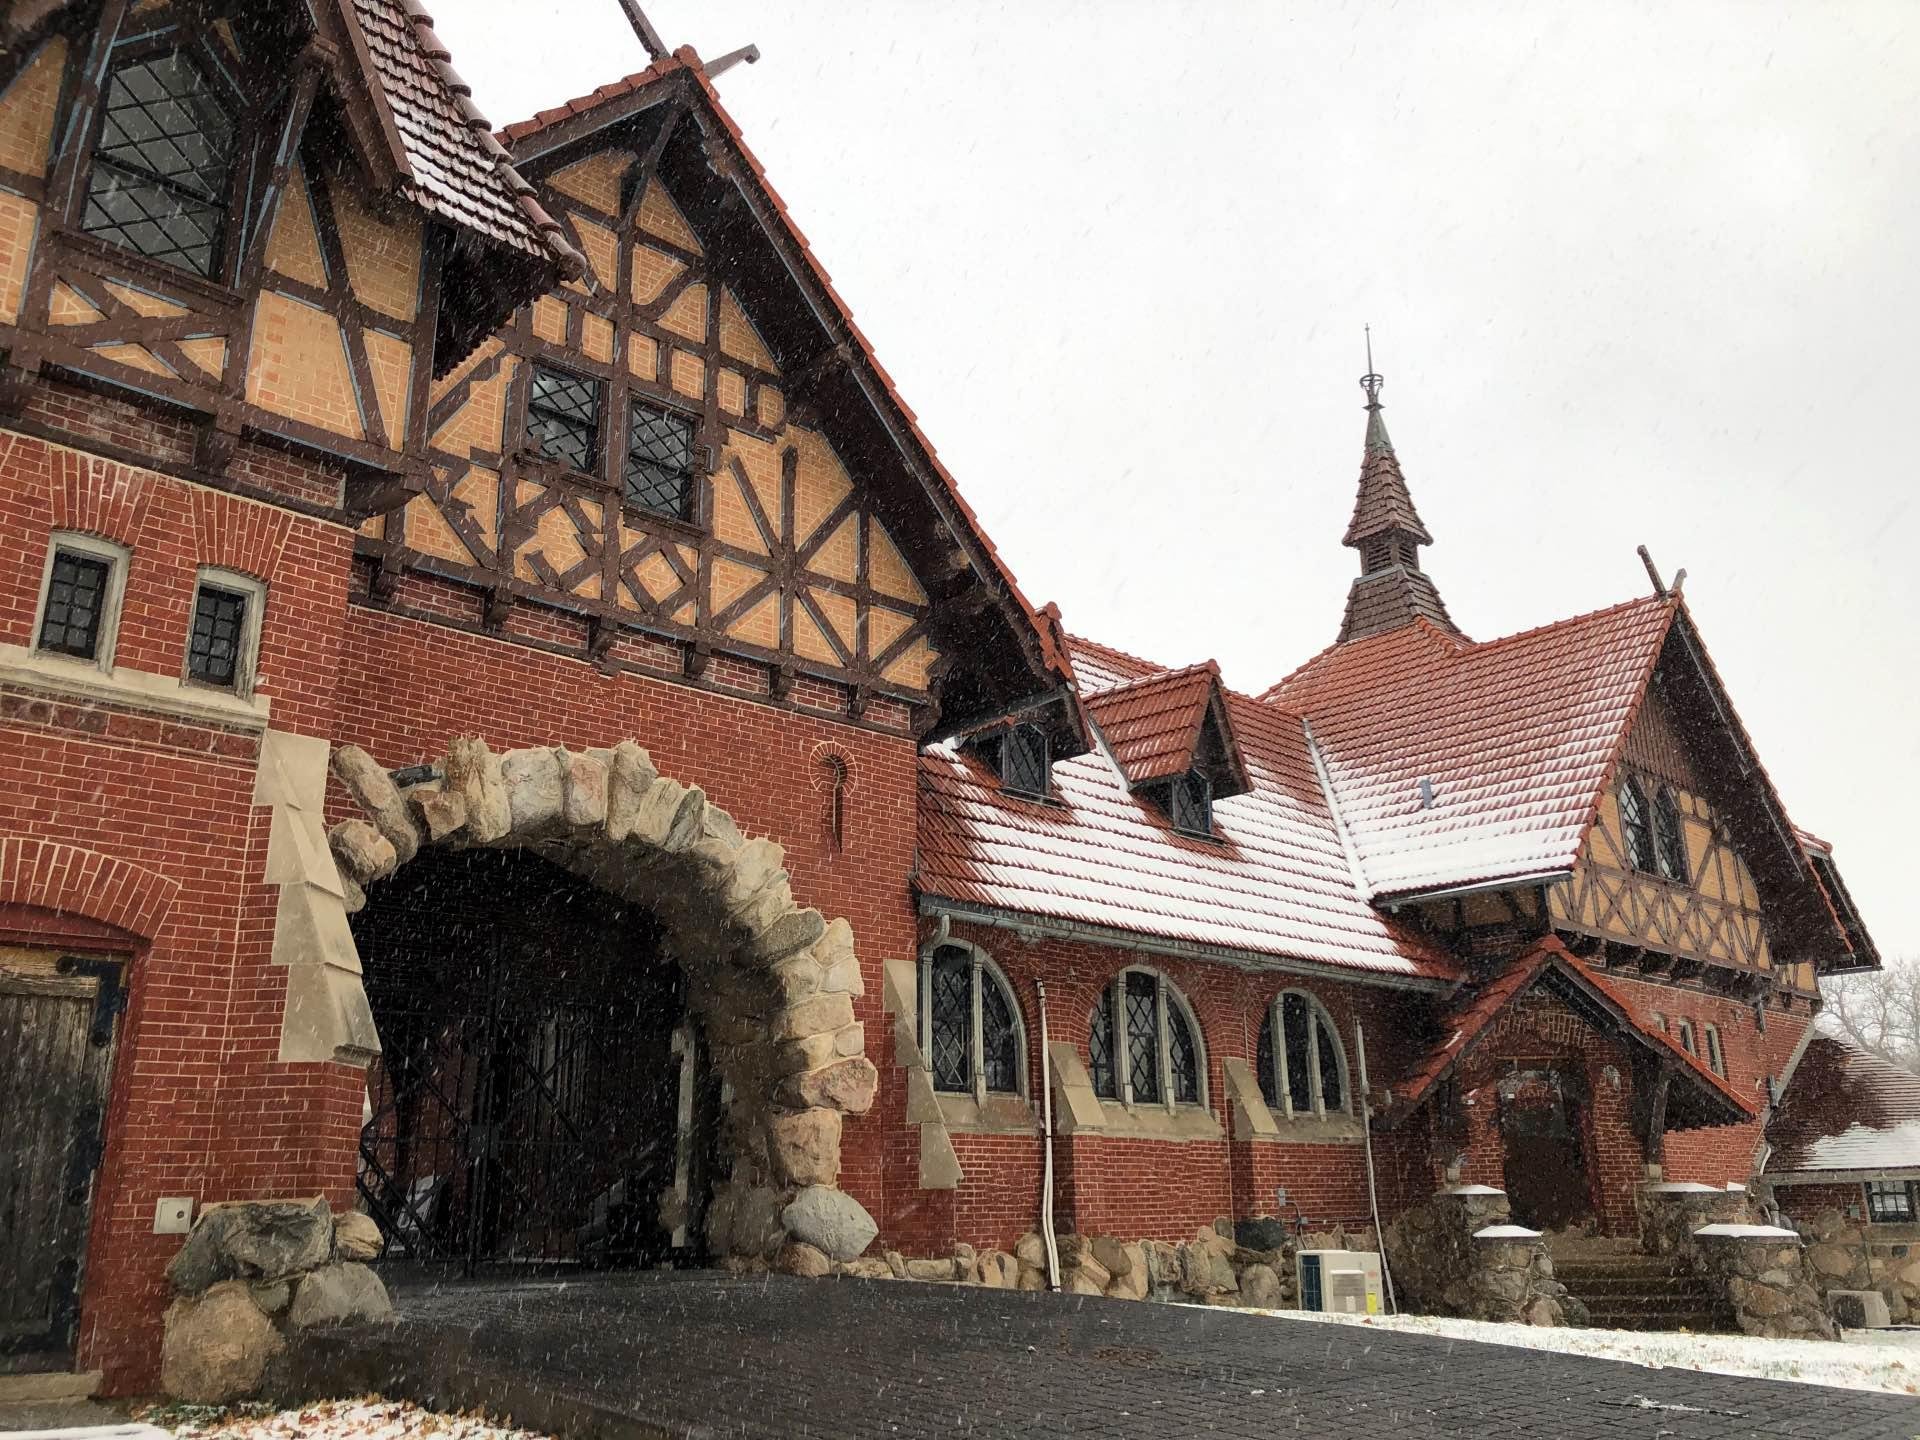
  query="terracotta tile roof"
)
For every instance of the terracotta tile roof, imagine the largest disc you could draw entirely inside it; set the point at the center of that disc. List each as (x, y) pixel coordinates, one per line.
(1152, 725)
(1478, 1006)
(1515, 736)
(456, 169)
(1276, 884)
(1051, 653)
(1845, 1110)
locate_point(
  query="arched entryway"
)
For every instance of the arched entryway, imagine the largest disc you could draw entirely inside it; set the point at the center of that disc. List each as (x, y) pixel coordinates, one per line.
(543, 1094)
(547, 901)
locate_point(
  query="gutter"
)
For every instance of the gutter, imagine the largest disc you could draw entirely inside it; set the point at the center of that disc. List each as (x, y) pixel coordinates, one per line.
(1022, 921)
(1421, 897)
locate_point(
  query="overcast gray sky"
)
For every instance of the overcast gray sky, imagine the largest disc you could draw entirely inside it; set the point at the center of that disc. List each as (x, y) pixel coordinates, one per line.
(1635, 274)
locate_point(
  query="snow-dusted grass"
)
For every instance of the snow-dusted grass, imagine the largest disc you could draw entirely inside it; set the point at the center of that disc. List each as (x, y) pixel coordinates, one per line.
(1889, 1361)
(370, 1418)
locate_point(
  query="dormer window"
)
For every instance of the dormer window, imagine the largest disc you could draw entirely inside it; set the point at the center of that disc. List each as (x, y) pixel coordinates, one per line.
(1024, 761)
(1190, 804)
(163, 180)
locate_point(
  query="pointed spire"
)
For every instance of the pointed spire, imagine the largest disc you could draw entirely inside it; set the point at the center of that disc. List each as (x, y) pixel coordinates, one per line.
(1387, 531)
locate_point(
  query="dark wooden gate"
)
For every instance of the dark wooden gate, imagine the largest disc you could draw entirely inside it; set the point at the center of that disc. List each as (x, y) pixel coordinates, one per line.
(1546, 1167)
(58, 1015)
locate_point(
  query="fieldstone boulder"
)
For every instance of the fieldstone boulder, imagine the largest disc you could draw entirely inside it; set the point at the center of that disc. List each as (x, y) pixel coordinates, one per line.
(847, 1085)
(1260, 1288)
(1112, 1254)
(806, 1146)
(356, 1237)
(339, 1295)
(253, 1240)
(217, 1347)
(999, 1270)
(930, 1270)
(534, 788)
(831, 1221)
(1031, 1249)
(869, 1268)
(796, 1257)
(1261, 1232)
(374, 791)
(361, 852)
(1836, 1260)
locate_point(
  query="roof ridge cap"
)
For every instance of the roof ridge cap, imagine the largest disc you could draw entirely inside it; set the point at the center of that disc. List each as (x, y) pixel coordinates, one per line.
(600, 95)
(1092, 644)
(1477, 646)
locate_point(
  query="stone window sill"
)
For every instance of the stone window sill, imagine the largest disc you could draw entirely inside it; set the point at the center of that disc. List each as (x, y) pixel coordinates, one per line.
(1157, 1122)
(66, 678)
(1001, 1115)
(1307, 1130)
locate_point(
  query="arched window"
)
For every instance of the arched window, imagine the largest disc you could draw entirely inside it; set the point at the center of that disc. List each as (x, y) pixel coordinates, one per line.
(1716, 1057)
(164, 163)
(1669, 839)
(1687, 1042)
(1637, 825)
(1143, 1045)
(969, 1023)
(1660, 1021)
(1301, 1063)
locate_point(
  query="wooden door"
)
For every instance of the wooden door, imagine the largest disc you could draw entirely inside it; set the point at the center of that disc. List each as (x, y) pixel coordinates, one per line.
(1545, 1169)
(58, 1016)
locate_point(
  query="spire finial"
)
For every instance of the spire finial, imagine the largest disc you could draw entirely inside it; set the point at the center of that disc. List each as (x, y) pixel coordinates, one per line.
(1371, 382)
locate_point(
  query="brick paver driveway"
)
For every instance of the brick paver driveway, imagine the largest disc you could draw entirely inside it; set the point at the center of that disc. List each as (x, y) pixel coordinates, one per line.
(705, 1354)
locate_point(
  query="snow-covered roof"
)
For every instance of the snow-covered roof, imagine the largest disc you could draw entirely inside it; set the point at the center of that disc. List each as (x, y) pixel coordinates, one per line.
(1845, 1110)
(1276, 883)
(1513, 739)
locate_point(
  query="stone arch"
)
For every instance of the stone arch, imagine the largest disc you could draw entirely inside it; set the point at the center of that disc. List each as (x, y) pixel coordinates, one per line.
(772, 981)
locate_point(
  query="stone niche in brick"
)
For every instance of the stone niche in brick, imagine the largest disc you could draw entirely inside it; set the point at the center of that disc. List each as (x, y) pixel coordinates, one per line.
(772, 982)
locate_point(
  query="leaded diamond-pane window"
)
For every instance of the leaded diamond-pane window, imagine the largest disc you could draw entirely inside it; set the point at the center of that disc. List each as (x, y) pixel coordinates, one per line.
(1183, 1057)
(1143, 1037)
(76, 598)
(1263, 1062)
(1295, 1020)
(1100, 1066)
(951, 975)
(563, 417)
(1023, 760)
(219, 625)
(1332, 1096)
(1669, 839)
(969, 1027)
(1191, 804)
(1637, 826)
(163, 169)
(999, 1044)
(659, 472)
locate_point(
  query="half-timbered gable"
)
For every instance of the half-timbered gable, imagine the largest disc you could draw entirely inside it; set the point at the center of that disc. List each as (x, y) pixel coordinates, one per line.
(663, 451)
(268, 221)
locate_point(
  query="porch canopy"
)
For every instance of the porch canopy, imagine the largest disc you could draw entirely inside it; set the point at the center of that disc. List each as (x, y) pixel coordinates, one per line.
(1673, 1088)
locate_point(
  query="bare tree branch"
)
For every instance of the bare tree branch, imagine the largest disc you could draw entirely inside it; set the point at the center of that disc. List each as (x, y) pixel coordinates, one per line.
(1879, 1011)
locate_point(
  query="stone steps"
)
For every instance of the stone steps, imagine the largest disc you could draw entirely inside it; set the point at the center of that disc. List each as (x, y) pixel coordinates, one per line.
(1625, 1290)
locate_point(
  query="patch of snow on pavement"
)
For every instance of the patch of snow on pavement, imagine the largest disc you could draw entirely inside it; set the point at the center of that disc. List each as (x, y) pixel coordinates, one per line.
(370, 1418)
(1888, 1362)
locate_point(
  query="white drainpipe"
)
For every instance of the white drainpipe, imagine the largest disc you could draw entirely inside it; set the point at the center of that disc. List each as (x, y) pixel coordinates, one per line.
(1046, 1122)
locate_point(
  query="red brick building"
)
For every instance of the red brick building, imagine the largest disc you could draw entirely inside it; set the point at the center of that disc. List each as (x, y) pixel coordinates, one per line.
(373, 482)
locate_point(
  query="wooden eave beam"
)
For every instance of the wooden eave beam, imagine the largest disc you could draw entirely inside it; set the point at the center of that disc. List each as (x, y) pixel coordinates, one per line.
(531, 150)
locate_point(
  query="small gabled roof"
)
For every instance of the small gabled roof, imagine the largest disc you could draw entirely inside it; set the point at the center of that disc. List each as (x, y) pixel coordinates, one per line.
(1156, 727)
(1845, 1110)
(1712, 1100)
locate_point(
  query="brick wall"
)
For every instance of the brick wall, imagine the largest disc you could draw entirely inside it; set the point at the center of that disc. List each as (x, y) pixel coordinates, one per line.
(140, 804)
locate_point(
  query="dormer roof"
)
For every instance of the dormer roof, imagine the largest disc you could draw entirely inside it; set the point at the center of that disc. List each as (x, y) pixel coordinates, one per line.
(1169, 723)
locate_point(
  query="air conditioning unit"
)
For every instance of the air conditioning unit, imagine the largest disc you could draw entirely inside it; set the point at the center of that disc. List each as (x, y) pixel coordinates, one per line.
(1346, 1282)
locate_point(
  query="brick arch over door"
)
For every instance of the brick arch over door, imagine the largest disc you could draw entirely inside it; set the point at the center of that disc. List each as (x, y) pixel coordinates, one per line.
(772, 982)
(73, 880)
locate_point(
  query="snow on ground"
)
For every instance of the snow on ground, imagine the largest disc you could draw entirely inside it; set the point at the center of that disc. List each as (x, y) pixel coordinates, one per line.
(370, 1418)
(1884, 1360)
